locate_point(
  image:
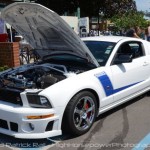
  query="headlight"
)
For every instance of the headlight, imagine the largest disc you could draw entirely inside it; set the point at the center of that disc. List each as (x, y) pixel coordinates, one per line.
(37, 101)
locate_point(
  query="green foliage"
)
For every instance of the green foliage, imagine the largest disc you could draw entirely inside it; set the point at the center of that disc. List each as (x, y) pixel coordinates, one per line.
(147, 13)
(3, 68)
(117, 7)
(121, 12)
(90, 8)
(129, 19)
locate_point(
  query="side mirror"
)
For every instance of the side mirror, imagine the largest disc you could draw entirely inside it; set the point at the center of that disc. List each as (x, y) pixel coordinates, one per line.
(123, 58)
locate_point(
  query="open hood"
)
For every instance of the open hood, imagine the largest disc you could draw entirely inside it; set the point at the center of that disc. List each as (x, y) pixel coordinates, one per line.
(45, 30)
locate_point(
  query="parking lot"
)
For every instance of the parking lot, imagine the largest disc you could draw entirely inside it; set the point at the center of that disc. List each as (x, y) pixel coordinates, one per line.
(126, 127)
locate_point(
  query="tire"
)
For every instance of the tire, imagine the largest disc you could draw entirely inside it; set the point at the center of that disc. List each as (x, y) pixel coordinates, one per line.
(80, 113)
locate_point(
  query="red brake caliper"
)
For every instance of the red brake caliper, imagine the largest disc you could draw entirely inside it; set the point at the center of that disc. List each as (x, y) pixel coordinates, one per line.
(86, 107)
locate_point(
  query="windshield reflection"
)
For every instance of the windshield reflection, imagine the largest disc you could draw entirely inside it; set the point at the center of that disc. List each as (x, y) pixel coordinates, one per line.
(101, 50)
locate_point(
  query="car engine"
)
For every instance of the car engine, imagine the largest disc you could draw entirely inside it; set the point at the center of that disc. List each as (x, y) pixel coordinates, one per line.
(33, 76)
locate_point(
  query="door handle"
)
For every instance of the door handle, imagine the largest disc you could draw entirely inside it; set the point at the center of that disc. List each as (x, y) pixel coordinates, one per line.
(145, 64)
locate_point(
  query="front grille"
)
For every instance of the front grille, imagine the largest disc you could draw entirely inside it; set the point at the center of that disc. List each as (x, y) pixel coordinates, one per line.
(14, 126)
(3, 124)
(11, 96)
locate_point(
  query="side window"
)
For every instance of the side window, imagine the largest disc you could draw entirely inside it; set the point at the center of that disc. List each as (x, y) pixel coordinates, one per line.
(137, 49)
(125, 49)
(134, 48)
(128, 51)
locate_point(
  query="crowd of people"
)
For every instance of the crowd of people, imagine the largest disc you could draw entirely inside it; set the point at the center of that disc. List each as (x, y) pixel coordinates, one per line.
(137, 32)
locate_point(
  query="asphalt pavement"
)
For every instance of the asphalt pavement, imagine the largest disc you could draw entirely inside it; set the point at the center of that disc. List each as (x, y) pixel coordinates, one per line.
(126, 127)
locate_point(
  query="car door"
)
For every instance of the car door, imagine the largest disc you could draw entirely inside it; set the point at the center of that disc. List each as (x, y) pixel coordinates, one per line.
(132, 77)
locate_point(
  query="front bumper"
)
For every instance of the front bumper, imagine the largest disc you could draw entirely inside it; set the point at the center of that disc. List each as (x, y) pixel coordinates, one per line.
(14, 122)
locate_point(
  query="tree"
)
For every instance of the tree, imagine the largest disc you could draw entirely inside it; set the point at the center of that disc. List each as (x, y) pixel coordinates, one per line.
(146, 13)
(117, 7)
(90, 7)
(129, 19)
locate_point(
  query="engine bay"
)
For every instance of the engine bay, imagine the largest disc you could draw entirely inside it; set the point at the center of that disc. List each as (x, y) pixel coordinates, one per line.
(34, 76)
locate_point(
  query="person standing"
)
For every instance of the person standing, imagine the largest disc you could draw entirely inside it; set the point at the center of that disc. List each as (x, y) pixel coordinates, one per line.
(140, 32)
(132, 33)
(148, 32)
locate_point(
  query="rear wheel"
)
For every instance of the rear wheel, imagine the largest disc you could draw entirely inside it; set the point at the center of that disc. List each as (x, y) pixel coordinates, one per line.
(80, 113)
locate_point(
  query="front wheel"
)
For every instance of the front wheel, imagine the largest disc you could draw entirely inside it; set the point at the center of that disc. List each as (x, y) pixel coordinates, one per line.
(80, 113)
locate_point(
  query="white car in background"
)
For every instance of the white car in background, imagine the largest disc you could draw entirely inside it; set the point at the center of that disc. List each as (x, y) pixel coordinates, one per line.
(75, 80)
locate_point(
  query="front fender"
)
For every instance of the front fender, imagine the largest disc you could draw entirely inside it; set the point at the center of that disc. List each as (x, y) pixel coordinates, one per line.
(61, 93)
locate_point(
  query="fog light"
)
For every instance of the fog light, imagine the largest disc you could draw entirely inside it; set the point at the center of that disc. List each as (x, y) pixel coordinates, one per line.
(31, 126)
(28, 127)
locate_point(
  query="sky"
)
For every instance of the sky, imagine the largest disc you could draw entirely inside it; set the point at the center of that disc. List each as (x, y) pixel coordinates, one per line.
(143, 5)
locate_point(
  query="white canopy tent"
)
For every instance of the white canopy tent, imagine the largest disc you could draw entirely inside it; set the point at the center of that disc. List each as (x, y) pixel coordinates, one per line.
(4, 26)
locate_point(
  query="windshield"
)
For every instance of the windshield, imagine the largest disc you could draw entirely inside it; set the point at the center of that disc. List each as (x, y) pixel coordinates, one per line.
(101, 50)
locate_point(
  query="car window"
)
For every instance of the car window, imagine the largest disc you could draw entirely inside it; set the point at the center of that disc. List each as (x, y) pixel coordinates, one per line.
(101, 50)
(137, 49)
(134, 48)
(128, 51)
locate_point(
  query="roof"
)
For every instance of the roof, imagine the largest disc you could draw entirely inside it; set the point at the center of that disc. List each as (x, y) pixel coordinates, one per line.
(105, 38)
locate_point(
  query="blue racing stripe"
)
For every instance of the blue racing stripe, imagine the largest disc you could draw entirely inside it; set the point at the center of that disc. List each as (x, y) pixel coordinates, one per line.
(125, 87)
(107, 85)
